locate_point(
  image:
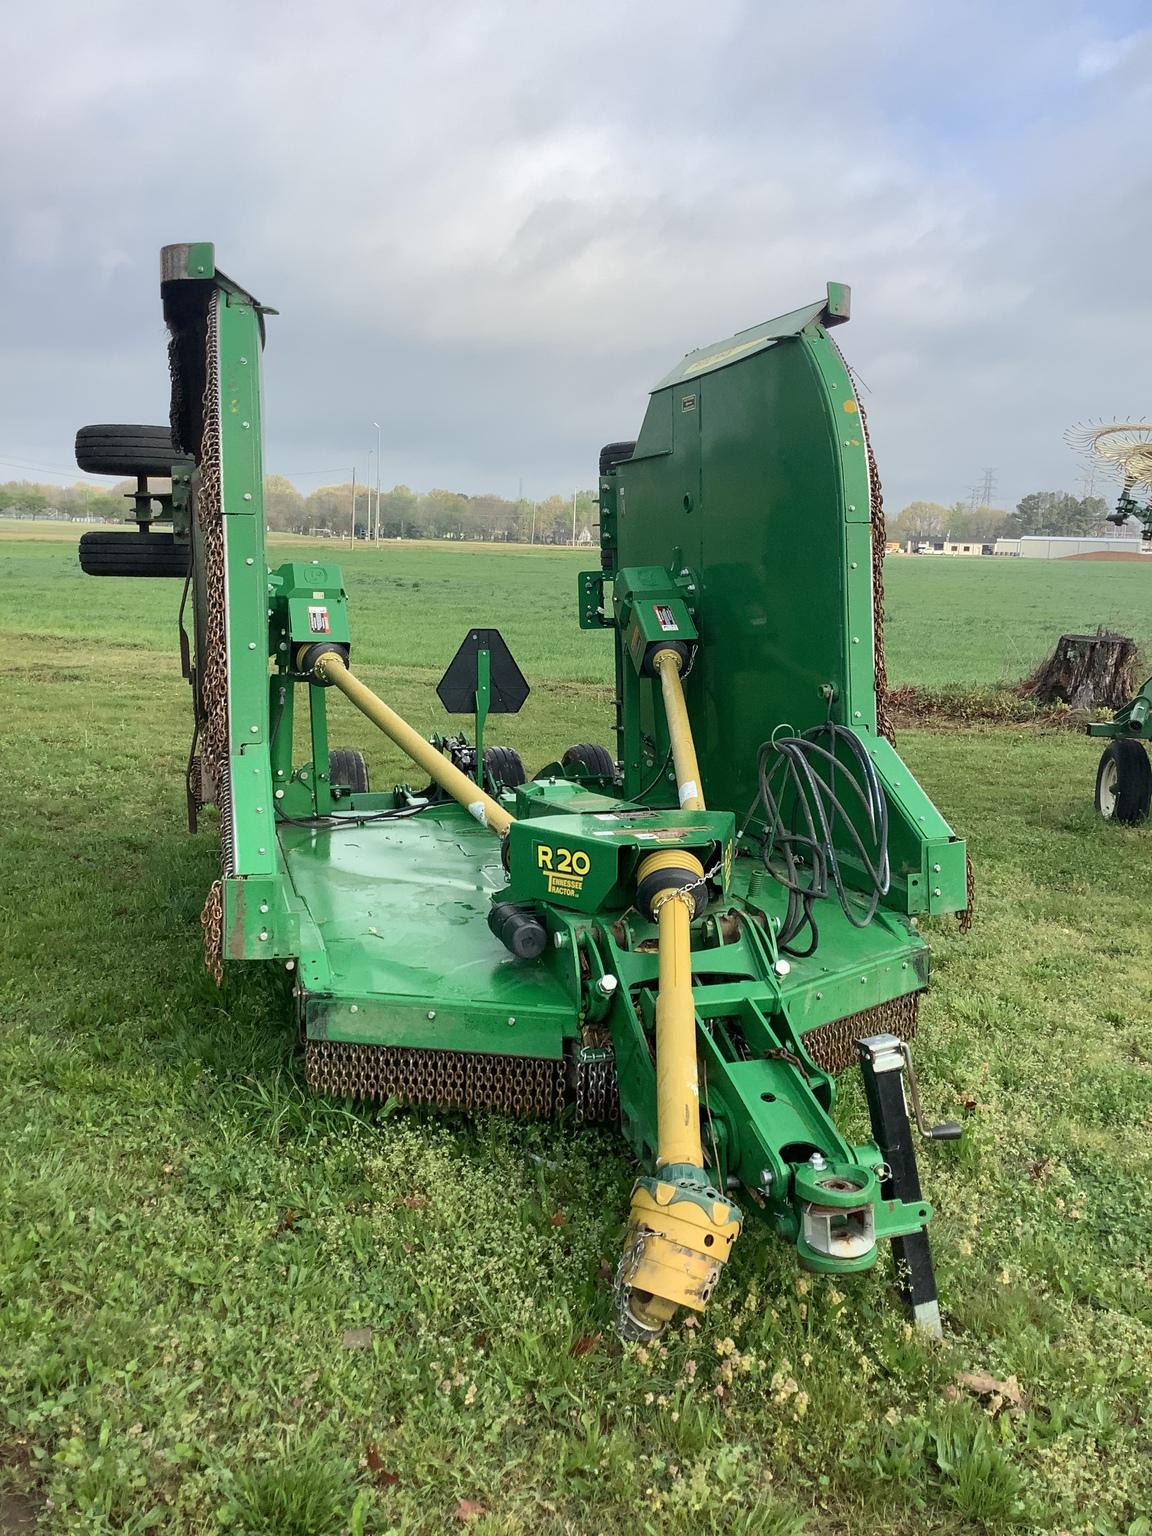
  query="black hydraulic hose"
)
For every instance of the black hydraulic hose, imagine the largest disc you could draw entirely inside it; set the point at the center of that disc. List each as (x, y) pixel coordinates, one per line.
(802, 787)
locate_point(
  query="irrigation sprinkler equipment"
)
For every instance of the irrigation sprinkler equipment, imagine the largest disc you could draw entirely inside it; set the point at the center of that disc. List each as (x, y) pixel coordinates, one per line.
(689, 936)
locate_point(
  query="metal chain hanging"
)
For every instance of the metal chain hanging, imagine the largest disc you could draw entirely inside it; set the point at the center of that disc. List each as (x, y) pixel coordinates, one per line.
(884, 725)
(212, 665)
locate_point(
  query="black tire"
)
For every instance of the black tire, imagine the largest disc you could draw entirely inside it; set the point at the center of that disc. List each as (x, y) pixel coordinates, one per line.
(134, 554)
(503, 766)
(615, 453)
(347, 768)
(1124, 781)
(114, 448)
(596, 761)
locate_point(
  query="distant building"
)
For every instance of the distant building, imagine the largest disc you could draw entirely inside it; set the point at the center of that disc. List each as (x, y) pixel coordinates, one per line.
(946, 547)
(1041, 547)
(955, 547)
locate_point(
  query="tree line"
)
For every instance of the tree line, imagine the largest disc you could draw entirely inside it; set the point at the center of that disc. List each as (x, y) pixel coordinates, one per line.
(25, 498)
(1053, 513)
(333, 511)
(402, 513)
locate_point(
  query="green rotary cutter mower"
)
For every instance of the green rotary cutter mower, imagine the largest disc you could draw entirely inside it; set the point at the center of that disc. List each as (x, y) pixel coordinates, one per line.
(691, 935)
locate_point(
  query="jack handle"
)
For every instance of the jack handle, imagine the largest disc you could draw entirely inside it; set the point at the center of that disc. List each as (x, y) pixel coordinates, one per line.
(947, 1130)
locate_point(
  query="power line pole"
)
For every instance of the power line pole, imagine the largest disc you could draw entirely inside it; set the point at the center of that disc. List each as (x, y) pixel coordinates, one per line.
(376, 424)
(988, 488)
(353, 506)
(573, 519)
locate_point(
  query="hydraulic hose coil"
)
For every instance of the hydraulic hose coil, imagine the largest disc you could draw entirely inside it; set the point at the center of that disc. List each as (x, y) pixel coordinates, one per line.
(816, 789)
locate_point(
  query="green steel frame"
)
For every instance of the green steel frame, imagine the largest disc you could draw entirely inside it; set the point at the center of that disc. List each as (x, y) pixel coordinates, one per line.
(1134, 718)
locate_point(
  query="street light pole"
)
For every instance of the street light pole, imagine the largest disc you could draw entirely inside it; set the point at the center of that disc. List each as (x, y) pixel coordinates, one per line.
(376, 424)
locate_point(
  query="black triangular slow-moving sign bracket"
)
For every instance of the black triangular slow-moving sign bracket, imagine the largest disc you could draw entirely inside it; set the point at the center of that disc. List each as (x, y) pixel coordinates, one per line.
(507, 687)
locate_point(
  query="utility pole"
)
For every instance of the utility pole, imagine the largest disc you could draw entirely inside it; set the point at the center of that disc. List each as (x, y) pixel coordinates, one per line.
(532, 540)
(353, 506)
(573, 519)
(988, 488)
(376, 424)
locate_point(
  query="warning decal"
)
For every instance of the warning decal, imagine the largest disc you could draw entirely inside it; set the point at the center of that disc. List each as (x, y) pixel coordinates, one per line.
(564, 869)
(318, 621)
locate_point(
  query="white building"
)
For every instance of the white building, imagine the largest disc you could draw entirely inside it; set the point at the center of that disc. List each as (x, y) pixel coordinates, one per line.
(1041, 547)
(945, 547)
(967, 547)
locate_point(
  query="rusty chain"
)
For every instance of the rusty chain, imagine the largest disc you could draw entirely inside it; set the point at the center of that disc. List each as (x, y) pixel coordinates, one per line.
(884, 724)
(212, 666)
(833, 1046)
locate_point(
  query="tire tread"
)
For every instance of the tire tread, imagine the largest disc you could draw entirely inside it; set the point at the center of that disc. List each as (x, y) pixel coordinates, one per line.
(1133, 779)
(133, 554)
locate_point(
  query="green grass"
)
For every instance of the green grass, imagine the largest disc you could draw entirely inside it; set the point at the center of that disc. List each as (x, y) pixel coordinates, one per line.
(949, 621)
(977, 621)
(191, 1244)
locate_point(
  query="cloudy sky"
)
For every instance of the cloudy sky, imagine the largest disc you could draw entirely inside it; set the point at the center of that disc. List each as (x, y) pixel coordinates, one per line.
(492, 225)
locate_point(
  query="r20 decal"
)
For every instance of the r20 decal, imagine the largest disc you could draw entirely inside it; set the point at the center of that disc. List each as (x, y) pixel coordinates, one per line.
(563, 861)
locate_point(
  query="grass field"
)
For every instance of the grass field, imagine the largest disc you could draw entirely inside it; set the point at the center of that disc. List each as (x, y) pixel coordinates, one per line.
(227, 1306)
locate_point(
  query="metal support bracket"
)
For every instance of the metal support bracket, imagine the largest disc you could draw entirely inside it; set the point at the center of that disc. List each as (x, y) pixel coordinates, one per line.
(483, 701)
(882, 1062)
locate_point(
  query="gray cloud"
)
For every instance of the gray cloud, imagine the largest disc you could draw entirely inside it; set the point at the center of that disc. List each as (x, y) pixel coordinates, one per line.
(492, 226)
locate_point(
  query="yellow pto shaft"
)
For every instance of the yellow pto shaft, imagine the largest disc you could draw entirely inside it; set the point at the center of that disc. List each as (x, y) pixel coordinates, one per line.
(677, 1074)
(488, 812)
(667, 665)
(680, 1230)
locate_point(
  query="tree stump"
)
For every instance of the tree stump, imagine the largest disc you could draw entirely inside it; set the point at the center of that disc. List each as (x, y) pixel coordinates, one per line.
(1087, 672)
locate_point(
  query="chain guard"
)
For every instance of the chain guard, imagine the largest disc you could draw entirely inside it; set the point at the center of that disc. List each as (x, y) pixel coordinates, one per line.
(833, 1046)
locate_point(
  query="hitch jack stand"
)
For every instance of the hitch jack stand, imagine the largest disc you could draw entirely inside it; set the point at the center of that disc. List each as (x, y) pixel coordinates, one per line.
(882, 1059)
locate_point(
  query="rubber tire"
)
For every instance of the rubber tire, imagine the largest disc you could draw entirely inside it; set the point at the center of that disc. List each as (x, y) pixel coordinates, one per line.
(596, 761)
(347, 767)
(134, 554)
(503, 765)
(615, 453)
(1133, 780)
(116, 448)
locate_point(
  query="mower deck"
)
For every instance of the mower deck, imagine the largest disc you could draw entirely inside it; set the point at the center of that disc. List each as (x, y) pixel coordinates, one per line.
(401, 907)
